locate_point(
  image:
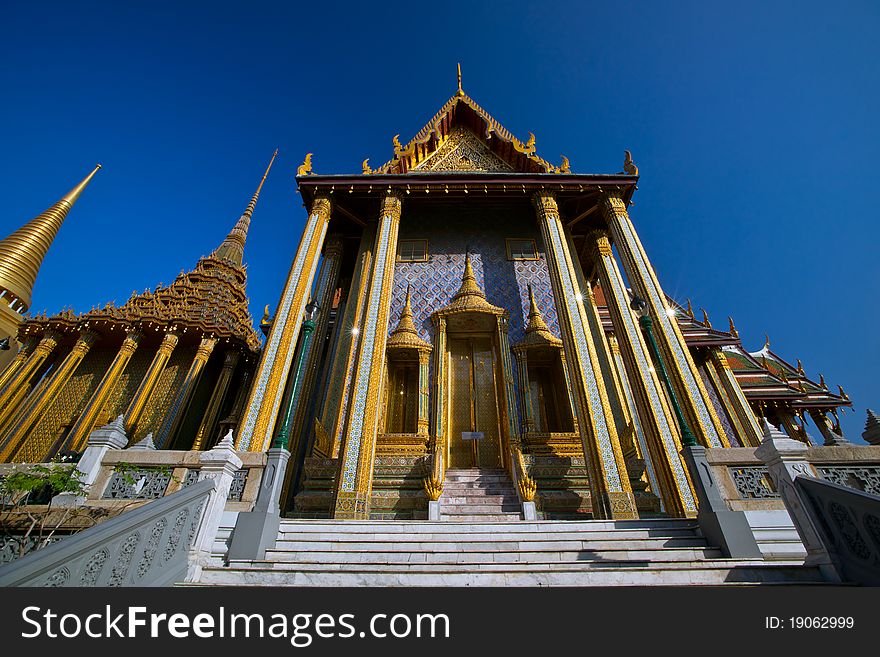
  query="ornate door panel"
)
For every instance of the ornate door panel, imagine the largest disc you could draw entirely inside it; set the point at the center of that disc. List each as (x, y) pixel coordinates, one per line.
(461, 452)
(473, 404)
(485, 404)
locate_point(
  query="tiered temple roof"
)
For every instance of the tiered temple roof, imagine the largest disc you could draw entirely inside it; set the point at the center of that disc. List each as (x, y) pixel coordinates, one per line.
(209, 300)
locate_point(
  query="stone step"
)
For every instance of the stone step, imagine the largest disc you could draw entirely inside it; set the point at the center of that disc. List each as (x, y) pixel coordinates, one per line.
(620, 535)
(335, 555)
(706, 573)
(433, 527)
(450, 562)
(485, 546)
(475, 508)
(482, 517)
(479, 499)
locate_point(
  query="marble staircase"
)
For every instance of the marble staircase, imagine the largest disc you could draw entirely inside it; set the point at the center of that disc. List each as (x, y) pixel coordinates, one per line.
(498, 553)
(474, 495)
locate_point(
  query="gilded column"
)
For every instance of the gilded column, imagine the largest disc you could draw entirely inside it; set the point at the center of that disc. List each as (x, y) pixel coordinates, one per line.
(37, 403)
(633, 415)
(507, 374)
(659, 426)
(328, 278)
(148, 383)
(76, 440)
(21, 377)
(335, 408)
(423, 420)
(356, 476)
(741, 413)
(203, 440)
(525, 392)
(603, 351)
(611, 492)
(19, 360)
(264, 401)
(438, 435)
(184, 394)
(689, 388)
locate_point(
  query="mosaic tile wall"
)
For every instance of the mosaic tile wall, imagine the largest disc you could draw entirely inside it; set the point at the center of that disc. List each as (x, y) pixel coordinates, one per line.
(480, 229)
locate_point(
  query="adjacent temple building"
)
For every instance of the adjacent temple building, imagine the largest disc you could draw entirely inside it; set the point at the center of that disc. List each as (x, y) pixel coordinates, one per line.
(466, 306)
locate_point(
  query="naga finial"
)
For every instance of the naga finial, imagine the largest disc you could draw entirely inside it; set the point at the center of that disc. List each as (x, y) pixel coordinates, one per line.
(733, 330)
(800, 368)
(305, 168)
(706, 321)
(822, 381)
(629, 167)
(530, 144)
(396, 141)
(365, 167)
(766, 341)
(690, 309)
(565, 167)
(843, 393)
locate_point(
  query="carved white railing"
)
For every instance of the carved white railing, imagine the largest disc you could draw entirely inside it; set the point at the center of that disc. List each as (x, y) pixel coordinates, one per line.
(147, 546)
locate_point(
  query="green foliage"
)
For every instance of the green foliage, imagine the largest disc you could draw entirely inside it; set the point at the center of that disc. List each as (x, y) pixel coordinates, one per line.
(34, 483)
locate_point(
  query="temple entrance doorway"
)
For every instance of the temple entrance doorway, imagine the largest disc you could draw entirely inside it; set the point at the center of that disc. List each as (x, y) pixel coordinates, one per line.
(474, 430)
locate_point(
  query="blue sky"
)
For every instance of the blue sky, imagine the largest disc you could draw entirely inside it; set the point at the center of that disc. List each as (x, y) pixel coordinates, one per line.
(753, 124)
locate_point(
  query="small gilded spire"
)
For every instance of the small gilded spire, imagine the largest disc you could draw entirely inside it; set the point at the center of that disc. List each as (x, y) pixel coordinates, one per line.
(406, 335)
(406, 324)
(232, 248)
(469, 287)
(22, 252)
(460, 91)
(536, 320)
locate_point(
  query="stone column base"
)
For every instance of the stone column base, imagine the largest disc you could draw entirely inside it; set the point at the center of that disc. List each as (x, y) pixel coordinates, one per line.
(352, 506)
(530, 511)
(623, 506)
(433, 510)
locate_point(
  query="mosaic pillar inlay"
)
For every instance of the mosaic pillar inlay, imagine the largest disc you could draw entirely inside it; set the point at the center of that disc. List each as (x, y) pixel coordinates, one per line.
(356, 476)
(659, 426)
(611, 492)
(688, 385)
(264, 401)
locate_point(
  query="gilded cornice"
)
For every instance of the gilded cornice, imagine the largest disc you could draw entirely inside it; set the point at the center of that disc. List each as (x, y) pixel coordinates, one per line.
(210, 300)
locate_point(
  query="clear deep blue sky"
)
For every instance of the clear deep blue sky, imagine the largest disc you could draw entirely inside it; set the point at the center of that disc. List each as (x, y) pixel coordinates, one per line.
(754, 126)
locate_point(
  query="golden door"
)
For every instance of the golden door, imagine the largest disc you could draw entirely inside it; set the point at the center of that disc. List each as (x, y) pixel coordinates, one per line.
(474, 432)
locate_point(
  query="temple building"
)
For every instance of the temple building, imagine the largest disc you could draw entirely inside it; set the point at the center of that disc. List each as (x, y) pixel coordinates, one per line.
(469, 307)
(174, 363)
(466, 307)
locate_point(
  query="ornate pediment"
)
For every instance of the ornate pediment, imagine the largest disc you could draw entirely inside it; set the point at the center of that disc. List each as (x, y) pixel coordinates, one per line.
(463, 151)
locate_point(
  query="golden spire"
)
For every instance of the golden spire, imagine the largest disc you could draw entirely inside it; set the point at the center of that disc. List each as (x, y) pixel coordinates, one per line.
(469, 287)
(22, 252)
(232, 248)
(406, 324)
(536, 320)
(406, 335)
(460, 90)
